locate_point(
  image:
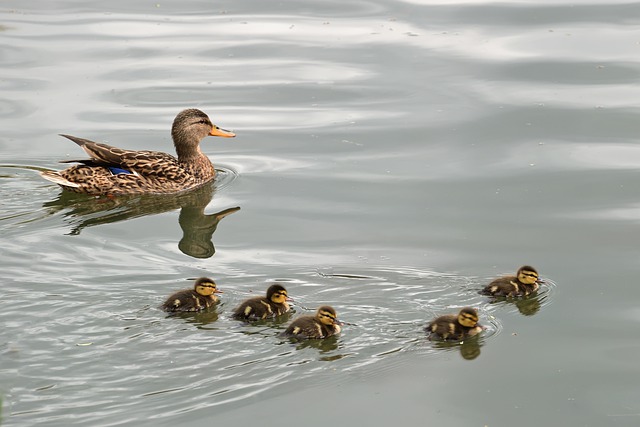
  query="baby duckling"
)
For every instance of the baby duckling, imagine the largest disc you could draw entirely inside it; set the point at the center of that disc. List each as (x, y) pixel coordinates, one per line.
(455, 327)
(322, 325)
(525, 282)
(259, 308)
(196, 299)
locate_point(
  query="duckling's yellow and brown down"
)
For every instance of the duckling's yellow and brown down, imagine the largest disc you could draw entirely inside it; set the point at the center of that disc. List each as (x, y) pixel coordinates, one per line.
(324, 324)
(525, 282)
(259, 308)
(201, 297)
(115, 171)
(455, 327)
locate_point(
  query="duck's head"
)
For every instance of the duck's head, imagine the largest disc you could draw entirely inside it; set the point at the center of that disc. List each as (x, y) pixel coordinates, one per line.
(527, 275)
(205, 287)
(468, 317)
(190, 126)
(327, 316)
(277, 294)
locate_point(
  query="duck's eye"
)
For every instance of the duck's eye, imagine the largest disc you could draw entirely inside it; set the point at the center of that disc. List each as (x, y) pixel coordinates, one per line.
(204, 122)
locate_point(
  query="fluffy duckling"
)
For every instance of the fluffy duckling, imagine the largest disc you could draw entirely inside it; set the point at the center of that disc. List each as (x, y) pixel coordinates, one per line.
(202, 296)
(322, 325)
(525, 282)
(115, 171)
(259, 308)
(455, 327)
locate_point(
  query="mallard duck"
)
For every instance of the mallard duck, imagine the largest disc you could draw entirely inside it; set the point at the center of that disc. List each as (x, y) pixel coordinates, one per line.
(455, 327)
(114, 171)
(525, 282)
(322, 325)
(258, 308)
(202, 296)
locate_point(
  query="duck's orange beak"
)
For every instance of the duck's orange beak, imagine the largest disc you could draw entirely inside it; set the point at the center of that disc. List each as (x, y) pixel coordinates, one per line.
(216, 131)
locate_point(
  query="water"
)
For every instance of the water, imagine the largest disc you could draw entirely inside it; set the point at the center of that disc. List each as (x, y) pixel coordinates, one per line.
(392, 157)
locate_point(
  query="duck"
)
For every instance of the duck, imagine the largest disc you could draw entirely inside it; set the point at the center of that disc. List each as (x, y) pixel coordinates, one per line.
(114, 171)
(452, 327)
(323, 324)
(201, 297)
(525, 282)
(273, 304)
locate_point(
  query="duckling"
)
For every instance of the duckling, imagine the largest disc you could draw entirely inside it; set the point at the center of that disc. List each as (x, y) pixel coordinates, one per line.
(324, 324)
(114, 171)
(455, 327)
(259, 308)
(525, 282)
(196, 299)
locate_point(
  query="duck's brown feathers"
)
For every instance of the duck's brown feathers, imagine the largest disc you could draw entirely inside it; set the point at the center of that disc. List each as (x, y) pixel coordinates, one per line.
(149, 172)
(188, 300)
(513, 286)
(448, 326)
(311, 328)
(259, 308)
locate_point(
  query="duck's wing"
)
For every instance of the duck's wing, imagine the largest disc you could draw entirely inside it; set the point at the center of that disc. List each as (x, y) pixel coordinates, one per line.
(141, 162)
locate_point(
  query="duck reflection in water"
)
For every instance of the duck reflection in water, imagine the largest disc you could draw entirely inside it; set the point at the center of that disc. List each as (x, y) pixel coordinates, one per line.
(469, 348)
(527, 306)
(83, 211)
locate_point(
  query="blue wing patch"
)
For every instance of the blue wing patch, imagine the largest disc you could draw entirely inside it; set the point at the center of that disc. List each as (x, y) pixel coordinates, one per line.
(118, 171)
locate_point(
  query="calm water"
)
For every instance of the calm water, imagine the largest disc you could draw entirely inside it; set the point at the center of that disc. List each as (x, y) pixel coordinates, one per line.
(392, 157)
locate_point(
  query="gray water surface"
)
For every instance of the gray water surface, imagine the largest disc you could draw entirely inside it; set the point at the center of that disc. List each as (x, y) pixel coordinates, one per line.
(392, 158)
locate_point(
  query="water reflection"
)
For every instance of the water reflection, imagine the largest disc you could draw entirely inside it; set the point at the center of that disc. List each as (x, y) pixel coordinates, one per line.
(200, 318)
(527, 305)
(469, 348)
(83, 211)
(325, 345)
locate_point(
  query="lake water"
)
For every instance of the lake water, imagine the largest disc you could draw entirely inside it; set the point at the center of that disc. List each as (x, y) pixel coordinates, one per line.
(392, 158)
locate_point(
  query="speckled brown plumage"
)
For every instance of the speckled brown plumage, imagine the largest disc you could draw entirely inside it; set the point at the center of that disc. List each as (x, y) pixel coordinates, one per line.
(324, 324)
(259, 308)
(455, 327)
(148, 172)
(525, 282)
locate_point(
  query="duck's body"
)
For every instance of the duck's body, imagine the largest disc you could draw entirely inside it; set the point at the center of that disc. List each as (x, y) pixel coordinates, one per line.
(114, 171)
(324, 324)
(455, 327)
(201, 297)
(525, 282)
(274, 304)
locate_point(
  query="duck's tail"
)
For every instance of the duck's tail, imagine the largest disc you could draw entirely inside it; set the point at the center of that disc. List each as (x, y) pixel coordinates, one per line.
(55, 177)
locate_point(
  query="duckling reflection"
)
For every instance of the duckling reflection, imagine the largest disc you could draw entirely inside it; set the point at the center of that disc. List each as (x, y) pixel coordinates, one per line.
(469, 348)
(527, 306)
(323, 345)
(83, 211)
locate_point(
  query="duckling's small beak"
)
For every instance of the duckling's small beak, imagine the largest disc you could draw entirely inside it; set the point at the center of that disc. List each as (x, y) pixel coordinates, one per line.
(218, 291)
(216, 131)
(289, 299)
(338, 322)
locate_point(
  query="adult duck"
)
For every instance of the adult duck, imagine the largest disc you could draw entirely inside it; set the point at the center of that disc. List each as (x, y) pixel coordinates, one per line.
(115, 171)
